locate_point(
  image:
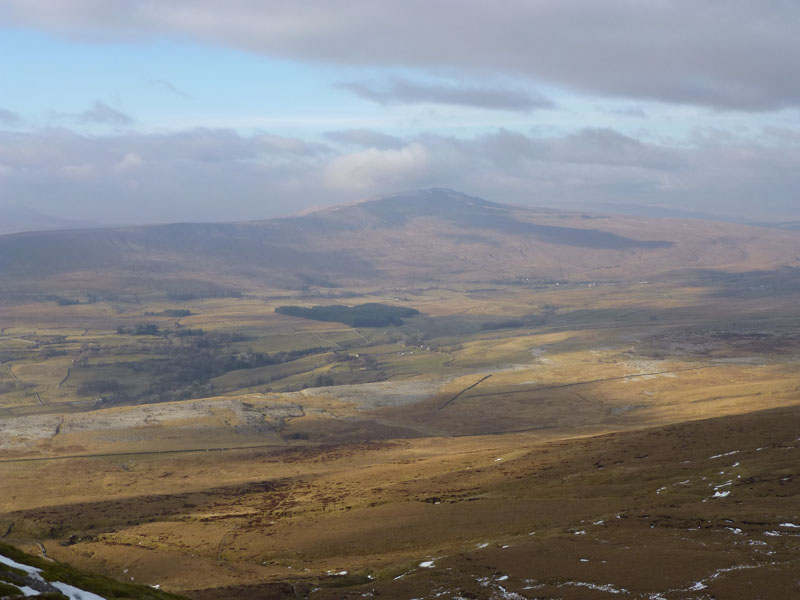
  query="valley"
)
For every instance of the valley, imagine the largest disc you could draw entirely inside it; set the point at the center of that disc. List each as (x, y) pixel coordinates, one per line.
(574, 406)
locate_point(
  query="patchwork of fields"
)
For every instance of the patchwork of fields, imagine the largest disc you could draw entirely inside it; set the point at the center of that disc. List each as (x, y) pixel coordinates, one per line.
(548, 441)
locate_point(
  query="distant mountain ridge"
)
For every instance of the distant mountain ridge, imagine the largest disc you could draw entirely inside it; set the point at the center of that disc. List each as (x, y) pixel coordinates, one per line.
(430, 235)
(15, 219)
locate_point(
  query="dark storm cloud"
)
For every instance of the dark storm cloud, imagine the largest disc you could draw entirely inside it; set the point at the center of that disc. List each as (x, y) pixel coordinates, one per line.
(726, 54)
(102, 113)
(404, 91)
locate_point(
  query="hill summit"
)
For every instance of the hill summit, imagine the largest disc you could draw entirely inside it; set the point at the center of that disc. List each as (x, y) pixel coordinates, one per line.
(406, 238)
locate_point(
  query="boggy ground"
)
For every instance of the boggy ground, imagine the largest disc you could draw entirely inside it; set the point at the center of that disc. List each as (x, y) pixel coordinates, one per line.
(705, 509)
(542, 441)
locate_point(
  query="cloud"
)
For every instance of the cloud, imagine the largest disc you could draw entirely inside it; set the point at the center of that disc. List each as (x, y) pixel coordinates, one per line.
(219, 174)
(172, 89)
(387, 169)
(197, 174)
(365, 138)
(404, 91)
(102, 113)
(733, 54)
(78, 172)
(8, 117)
(129, 162)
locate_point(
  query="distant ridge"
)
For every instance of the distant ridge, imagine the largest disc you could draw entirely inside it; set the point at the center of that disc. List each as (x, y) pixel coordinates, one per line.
(15, 219)
(430, 235)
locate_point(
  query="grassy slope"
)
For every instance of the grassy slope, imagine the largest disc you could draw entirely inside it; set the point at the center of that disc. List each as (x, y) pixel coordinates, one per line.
(353, 484)
(98, 584)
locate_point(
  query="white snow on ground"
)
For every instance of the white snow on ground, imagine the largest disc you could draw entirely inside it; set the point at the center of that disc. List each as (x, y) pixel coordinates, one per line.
(426, 564)
(600, 588)
(698, 586)
(734, 530)
(74, 593)
(789, 525)
(701, 585)
(499, 589)
(12, 563)
(70, 591)
(721, 494)
(725, 454)
(772, 533)
(506, 595)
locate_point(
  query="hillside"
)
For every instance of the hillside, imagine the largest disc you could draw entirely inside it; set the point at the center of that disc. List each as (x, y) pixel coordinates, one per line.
(424, 395)
(15, 219)
(413, 238)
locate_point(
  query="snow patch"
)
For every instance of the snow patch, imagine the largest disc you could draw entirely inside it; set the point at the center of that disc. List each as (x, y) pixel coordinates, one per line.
(698, 586)
(593, 586)
(724, 454)
(12, 563)
(74, 593)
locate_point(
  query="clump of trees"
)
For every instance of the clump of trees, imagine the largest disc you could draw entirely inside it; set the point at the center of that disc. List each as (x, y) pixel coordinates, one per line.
(524, 321)
(140, 329)
(186, 370)
(61, 300)
(188, 332)
(170, 312)
(200, 294)
(99, 387)
(371, 314)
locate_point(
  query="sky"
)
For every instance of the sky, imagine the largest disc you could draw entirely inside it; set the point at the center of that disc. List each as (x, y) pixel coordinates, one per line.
(141, 111)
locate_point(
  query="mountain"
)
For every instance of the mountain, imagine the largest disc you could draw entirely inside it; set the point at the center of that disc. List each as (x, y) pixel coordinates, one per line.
(409, 238)
(14, 219)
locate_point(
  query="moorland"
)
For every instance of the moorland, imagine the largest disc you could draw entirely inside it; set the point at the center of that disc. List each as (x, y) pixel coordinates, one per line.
(417, 396)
